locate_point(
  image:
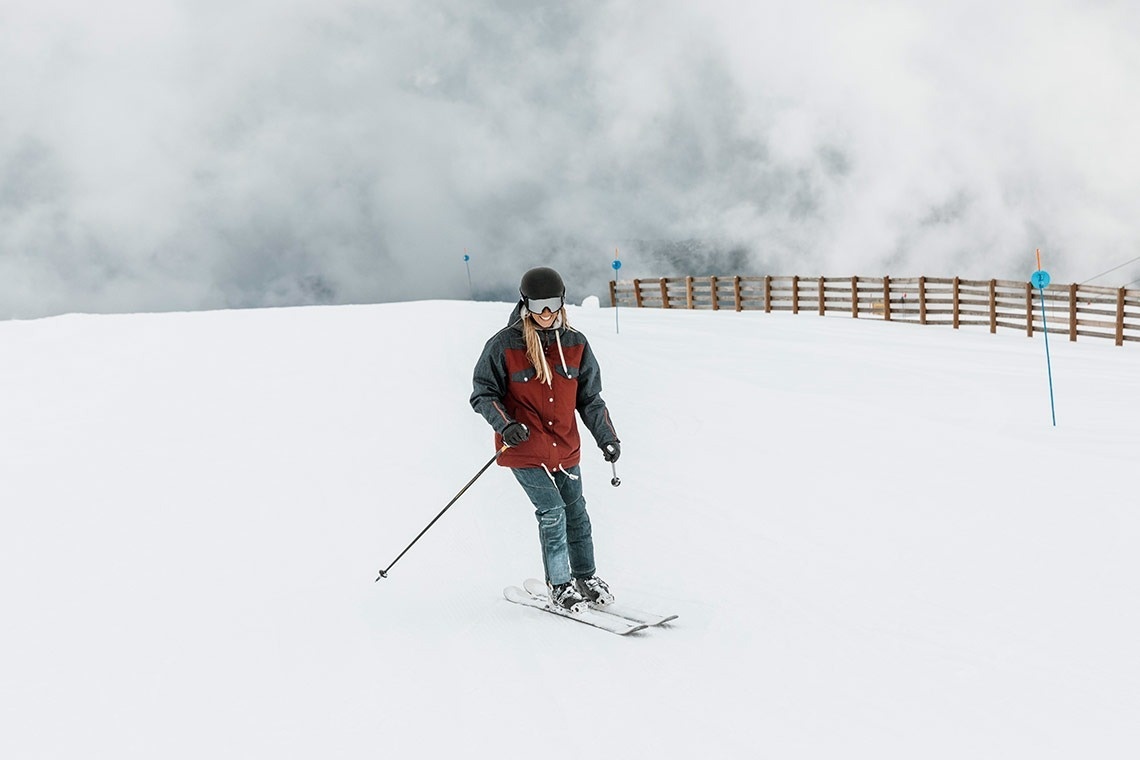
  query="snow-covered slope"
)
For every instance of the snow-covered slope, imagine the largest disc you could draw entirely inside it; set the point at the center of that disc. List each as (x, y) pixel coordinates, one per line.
(878, 544)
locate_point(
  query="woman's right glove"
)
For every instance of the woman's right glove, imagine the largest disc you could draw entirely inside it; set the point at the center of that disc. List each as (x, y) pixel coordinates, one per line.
(611, 451)
(515, 433)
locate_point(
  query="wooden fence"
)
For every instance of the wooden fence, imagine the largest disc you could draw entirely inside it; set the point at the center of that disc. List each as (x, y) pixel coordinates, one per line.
(1073, 310)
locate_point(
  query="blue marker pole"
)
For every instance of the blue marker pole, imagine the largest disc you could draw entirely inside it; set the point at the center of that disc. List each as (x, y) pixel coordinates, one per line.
(1040, 280)
(467, 263)
(616, 265)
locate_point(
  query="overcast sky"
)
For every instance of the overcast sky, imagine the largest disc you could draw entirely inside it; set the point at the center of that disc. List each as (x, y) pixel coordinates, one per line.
(187, 154)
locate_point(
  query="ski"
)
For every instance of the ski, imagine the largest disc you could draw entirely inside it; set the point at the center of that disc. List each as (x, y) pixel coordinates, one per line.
(590, 616)
(537, 588)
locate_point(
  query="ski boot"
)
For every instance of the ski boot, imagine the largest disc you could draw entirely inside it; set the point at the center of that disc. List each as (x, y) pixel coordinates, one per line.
(594, 590)
(565, 596)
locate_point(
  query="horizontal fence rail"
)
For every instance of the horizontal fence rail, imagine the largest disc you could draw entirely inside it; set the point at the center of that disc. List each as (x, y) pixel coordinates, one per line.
(1073, 310)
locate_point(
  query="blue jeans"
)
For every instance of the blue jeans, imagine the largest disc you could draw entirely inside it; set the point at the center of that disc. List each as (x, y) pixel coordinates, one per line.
(563, 525)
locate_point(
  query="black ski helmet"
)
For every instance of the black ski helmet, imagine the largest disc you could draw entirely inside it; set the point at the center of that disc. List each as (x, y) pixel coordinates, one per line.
(542, 282)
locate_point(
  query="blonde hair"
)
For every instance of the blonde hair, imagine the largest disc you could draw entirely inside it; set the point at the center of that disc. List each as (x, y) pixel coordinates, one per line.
(534, 350)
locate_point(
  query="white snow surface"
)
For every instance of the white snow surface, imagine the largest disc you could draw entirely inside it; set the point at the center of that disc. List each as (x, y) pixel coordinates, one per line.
(877, 543)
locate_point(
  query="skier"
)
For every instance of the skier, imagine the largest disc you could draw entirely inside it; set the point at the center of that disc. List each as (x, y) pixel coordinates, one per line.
(531, 377)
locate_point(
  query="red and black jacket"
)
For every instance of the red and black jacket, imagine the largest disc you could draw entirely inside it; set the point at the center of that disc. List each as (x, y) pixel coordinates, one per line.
(507, 389)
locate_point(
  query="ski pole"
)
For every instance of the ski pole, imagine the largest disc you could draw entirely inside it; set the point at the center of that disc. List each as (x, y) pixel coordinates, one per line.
(491, 461)
(616, 480)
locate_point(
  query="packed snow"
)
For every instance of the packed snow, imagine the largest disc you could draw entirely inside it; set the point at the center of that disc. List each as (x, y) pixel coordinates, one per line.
(877, 543)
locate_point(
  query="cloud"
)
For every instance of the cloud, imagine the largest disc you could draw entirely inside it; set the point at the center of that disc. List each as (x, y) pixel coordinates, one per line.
(186, 155)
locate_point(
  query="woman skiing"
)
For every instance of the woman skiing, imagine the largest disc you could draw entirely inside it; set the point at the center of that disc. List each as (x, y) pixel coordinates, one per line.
(530, 379)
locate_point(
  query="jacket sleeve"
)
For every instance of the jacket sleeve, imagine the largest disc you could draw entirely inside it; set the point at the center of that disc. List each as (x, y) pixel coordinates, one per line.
(591, 407)
(490, 386)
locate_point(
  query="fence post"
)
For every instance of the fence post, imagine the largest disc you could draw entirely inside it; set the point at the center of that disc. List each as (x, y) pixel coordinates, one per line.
(716, 301)
(736, 293)
(854, 297)
(957, 305)
(993, 306)
(886, 298)
(689, 290)
(613, 293)
(922, 300)
(822, 302)
(1073, 312)
(664, 294)
(1029, 309)
(768, 294)
(795, 294)
(1120, 317)
(637, 292)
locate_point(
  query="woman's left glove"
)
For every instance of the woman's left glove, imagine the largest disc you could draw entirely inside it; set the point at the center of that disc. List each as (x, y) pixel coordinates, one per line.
(611, 451)
(515, 433)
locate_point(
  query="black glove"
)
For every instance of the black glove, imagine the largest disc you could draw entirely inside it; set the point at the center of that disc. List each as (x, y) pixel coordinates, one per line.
(611, 451)
(515, 433)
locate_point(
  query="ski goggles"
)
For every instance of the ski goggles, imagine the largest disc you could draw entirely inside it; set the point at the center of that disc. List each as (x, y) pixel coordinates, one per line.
(538, 305)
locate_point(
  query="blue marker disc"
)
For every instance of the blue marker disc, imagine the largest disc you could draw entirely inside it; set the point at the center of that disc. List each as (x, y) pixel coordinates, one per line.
(1040, 279)
(616, 265)
(466, 257)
